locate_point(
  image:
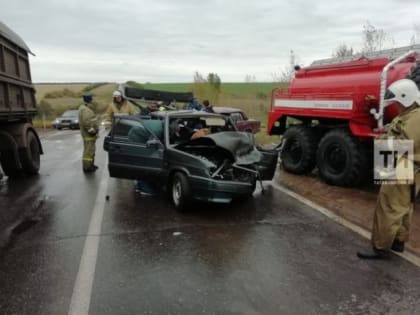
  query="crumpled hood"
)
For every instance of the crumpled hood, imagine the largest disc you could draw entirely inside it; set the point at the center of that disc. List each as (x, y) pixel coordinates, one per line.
(239, 144)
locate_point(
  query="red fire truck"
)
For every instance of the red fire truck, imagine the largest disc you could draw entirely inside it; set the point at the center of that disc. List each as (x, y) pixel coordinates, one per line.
(333, 109)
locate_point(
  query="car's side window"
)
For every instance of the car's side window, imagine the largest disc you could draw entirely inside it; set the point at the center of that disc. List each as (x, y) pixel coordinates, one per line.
(236, 117)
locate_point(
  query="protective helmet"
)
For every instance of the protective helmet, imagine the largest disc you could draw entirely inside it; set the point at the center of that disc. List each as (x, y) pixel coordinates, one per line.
(116, 93)
(403, 91)
(87, 97)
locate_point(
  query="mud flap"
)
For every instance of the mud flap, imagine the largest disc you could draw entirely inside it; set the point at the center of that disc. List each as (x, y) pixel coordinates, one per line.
(268, 164)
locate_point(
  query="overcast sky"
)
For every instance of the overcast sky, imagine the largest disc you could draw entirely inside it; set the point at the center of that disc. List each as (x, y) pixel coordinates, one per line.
(167, 40)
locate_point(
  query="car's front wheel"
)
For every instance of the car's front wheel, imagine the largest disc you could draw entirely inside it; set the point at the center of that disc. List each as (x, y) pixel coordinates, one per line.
(180, 191)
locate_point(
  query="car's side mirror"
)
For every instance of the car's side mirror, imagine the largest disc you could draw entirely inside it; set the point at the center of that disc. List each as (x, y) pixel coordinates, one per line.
(155, 143)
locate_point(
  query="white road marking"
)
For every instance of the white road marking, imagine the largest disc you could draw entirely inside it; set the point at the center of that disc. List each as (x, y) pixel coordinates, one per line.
(415, 260)
(82, 291)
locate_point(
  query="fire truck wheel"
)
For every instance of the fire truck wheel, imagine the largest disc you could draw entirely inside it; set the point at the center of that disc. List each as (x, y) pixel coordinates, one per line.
(341, 159)
(299, 153)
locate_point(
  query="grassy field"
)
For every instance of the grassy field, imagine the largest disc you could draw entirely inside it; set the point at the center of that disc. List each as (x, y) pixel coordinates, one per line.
(44, 88)
(252, 98)
(229, 88)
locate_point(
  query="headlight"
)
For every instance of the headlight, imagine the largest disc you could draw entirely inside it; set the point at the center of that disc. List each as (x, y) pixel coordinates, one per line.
(56, 121)
(76, 121)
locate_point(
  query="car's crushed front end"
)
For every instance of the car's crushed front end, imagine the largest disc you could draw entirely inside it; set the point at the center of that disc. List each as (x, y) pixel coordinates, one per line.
(232, 165)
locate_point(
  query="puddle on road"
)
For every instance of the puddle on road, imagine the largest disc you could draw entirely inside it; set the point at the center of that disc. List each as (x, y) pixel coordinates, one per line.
(23, 224)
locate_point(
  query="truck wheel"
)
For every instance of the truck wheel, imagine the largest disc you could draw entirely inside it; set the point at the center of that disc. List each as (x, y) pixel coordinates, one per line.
(9, 164)
(299, 152)
(30, 155)
(180, 191)
(341, 159)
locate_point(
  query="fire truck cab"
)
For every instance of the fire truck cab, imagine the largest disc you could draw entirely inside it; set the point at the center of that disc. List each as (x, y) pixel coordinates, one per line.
(333, 109)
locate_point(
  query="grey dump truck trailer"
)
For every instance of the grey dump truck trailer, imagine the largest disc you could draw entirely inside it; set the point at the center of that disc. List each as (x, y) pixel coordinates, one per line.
(20, 147)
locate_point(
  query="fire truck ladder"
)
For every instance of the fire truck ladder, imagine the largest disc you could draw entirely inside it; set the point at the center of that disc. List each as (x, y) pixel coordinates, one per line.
(391, 54)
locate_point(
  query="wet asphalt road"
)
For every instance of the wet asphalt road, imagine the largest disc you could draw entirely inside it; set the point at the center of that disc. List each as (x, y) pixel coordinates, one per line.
(271, 255)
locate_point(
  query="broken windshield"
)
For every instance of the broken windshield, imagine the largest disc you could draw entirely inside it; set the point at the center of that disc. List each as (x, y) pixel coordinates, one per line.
(189, 128)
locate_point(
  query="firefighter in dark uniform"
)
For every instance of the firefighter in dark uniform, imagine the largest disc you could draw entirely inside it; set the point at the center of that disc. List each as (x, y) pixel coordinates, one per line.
(394, 207)
(89, 129)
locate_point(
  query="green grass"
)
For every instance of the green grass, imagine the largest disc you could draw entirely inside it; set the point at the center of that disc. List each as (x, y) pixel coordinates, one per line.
(39, 123)
(44, 88)
(249, 88)
(229, 88)
(170, 87)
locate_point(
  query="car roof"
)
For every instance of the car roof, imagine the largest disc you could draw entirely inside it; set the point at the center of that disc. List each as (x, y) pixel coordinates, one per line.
(171, 114)
(225, 110)
(72, 111)
(184, 113)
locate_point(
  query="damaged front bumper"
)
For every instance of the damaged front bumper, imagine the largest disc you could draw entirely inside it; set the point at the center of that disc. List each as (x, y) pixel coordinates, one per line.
(222, 191)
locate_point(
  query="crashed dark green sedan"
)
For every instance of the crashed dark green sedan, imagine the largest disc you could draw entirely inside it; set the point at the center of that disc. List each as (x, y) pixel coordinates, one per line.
(193, 155)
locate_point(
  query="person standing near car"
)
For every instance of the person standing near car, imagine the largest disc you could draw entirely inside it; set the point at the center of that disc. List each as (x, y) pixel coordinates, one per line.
(194, 105)
(394, 207)
(89, 128)
(119, 105)
(151, 107)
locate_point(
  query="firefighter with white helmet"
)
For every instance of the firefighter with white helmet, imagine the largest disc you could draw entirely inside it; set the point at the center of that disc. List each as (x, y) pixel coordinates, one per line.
(119, 105)
(394, 207)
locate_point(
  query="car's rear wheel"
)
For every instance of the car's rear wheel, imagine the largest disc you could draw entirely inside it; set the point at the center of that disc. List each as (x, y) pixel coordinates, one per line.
(180, 191)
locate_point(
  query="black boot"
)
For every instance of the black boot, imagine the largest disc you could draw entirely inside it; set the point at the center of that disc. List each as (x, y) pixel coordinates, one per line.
(398, 246)
(90, 169)
(373, 253)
